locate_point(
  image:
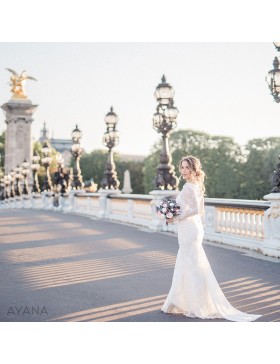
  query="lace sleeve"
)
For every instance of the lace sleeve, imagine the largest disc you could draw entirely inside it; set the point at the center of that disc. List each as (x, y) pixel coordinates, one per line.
(189, 206)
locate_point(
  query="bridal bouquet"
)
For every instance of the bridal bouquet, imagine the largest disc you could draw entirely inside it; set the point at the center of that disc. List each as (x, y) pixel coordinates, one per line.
(168, 209)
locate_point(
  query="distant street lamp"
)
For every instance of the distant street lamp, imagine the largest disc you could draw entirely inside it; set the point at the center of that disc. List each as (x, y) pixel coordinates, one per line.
(76, 150)
(35, 166)
(59, 176)
(164, 121)
(12, 187)
(277, 46)
(110, 140)
(273, 80)
(2, 188)
(2, 184)
(46, 161)
(25, 173)
(18, 177)
(7, 184)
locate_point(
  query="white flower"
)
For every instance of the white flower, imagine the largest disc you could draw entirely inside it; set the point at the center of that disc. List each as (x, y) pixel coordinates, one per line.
(169, 215)
(164, 210)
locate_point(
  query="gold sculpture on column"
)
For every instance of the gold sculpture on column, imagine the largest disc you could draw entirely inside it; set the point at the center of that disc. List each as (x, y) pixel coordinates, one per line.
(18, 84)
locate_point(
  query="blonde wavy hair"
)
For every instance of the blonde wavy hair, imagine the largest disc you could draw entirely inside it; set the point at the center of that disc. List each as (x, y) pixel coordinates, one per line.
(197, 173)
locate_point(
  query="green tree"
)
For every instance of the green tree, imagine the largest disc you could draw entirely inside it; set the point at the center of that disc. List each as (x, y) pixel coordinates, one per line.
(93, 165)
(136, 174)
(262, 158)
(220, 156)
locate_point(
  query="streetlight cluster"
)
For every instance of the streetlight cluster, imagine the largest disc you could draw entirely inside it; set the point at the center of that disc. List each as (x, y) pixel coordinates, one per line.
(11, 185)
(15, 184)
(273, 77)
(164, 121)
(273, 80)
(110, 140)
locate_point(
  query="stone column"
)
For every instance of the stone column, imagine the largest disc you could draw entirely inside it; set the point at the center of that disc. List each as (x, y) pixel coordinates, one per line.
(104, 206)
(158, 223)
(271, 244)
(18, 144)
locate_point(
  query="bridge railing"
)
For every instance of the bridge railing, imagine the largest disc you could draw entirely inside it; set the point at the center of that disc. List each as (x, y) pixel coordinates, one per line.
(249, 224)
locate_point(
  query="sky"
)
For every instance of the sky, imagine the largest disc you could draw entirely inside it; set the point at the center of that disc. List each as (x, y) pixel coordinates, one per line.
(219, 88)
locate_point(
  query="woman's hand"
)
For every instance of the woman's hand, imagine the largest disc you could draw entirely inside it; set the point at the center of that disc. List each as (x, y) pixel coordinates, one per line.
(170, 221)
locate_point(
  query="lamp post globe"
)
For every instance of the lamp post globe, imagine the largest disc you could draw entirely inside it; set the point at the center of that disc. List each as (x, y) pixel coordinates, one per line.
(35, 166)
(110, 140)
(164, 121)
(76, 150)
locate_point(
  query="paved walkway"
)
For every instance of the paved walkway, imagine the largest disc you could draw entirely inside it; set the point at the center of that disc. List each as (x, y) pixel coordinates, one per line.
(58, 267)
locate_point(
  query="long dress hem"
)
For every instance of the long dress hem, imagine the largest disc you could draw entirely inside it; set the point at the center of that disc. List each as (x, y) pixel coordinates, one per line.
(195, 291)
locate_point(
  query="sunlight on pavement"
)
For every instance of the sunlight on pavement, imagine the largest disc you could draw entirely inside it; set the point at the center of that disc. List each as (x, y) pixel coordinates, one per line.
(116, 311)
(270, 297)
(67, 250)
(87, 270)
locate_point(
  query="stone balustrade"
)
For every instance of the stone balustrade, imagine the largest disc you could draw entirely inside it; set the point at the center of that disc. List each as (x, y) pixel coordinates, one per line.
(249, 224)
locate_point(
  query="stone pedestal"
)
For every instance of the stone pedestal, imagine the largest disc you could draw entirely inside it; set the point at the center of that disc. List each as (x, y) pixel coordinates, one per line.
(104, 204)
(18, 143)
(18, 202)
(36, 201)
(158, 223)
(26, 202)
(65, 202)
(47, 200)
(271, 244)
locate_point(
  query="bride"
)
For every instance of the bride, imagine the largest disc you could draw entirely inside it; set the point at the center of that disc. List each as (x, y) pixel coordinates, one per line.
(195, 291)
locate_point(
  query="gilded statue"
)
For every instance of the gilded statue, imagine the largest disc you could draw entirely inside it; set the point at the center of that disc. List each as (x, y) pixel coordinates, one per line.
(18, 83)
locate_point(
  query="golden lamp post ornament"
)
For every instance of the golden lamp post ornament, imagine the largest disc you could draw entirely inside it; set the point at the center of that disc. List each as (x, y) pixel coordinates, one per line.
(18, 84)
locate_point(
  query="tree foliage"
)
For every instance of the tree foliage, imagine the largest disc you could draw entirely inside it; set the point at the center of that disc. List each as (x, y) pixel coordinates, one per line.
(93, 165)
(232, 171)
(221, 158)
(262, 158)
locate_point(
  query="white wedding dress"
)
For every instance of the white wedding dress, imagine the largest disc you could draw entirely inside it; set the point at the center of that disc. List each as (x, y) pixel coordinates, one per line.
(195, 291)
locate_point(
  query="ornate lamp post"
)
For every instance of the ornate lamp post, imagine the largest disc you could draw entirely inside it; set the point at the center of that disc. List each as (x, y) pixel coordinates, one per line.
(12, 187)
(110, 140)
(35, 168)
(46, 161)
(277, 46)
(273, 80)
(18, 177)
(164, 121)
(25, 172)
(2, 187)
(76, 150)
(59, 177)
(7, 179)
